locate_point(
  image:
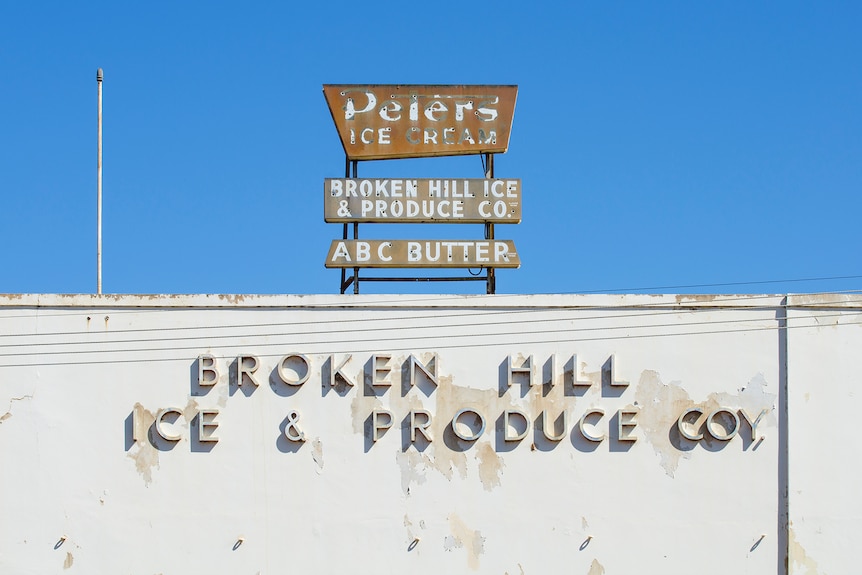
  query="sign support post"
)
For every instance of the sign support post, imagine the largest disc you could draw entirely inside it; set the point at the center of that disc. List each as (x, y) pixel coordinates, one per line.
(491, 281)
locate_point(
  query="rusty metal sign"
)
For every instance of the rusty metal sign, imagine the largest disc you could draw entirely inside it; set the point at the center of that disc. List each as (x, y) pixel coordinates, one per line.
(425, 200)
(409, 121)
(422, 254)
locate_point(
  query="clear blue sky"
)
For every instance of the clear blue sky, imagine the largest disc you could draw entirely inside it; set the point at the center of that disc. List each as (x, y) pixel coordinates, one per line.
(659, 144)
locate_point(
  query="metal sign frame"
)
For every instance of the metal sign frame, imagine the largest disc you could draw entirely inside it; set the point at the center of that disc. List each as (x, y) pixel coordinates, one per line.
(486, 274)
(393, 121)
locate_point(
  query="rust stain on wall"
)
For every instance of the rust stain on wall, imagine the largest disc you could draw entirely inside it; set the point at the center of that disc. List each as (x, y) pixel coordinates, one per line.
(413, 537)
(661, 405)
(190, 410)
(464, 537)
(12, 400)
(490, 466)
(232, 298)
(449, 399)
(69, 560)
(594, 377)
(696, 298)
(797, 556)
(596, 568)
(546, 403)
(143, 453)
(446, 453)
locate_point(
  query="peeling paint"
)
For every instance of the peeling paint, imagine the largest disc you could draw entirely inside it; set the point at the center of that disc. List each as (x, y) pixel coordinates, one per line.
(446, 453)
(232, 298)
(69, 560)
(317, 454)
(12, 400)
(661, 404)
(798, 556)
(412, 537)
(221, 400)
(412, 464)
(190, 410)
(441, 477)
(752, 399)
(449, 399)
(490, 466)
(451, 542)
(360, 408)
(145, 455)
(701, 298)
(594, 377)
(463, 536)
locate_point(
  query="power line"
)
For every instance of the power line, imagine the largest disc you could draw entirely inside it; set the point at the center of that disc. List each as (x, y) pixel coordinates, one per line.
(400, 328)
(480, 344)
(670, 308)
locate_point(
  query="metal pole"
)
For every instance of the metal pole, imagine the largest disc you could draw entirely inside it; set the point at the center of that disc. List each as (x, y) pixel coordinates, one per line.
(491, 285)
(355, 237)
(344, 229)
(99, 76)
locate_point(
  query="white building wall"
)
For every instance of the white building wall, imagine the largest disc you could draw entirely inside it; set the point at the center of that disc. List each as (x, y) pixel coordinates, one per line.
(825, 377)
(88, 486)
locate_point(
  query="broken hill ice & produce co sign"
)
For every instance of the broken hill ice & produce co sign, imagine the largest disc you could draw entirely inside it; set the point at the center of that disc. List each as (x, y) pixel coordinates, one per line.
(378, 122)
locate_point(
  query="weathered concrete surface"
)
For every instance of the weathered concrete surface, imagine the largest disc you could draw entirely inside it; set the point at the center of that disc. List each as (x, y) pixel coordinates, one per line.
(88, 485)
(824, 377)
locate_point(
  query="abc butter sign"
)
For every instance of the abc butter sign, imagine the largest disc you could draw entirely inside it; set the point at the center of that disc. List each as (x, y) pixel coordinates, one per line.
(401, 121)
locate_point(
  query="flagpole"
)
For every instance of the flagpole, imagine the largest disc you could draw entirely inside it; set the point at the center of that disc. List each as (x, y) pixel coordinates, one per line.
(99, 76)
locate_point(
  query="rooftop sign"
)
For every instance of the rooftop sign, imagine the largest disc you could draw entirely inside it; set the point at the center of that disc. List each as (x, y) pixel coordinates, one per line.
(428, 200)
(422, 254)
(378, 122)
